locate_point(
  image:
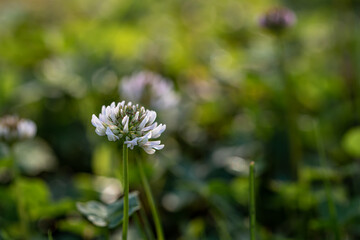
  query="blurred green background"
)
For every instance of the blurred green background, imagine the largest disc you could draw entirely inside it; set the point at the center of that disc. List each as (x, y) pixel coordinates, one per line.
(60, 61)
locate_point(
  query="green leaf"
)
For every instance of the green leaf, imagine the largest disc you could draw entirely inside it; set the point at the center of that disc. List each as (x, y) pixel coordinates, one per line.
(95, 212)
(111, 215)
(350, 212)
(35, 194)
(116, 209)
(78, 226)
(351, 142)
(4, 235)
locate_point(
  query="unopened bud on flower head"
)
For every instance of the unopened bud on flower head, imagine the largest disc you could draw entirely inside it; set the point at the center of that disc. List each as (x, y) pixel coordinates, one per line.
(278, 19)
(149, 88)
(13, 129)
(131, 124)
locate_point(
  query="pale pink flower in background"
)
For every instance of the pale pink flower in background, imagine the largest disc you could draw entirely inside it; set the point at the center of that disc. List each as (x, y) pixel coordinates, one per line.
(149, 88)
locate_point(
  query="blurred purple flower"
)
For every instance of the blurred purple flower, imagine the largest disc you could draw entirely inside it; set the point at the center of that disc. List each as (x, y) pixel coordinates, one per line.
(278, 19)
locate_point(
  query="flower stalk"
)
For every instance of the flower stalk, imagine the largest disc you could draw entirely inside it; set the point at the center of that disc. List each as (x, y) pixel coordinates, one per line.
(291, 110)
(19, 198)
(126, 192)
(150, 198)
(107, 233)
(252, 201)
(329, 196)
(146, 224)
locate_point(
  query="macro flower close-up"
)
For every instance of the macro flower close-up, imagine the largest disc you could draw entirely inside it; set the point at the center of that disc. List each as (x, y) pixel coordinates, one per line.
(130, 123)
(179, 120)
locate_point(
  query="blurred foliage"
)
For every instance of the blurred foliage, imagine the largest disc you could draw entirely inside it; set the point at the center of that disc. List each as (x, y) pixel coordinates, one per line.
(61, 61)
(109, 216)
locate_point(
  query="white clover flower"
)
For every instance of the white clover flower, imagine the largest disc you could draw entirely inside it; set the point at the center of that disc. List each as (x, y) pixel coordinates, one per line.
(132, 124)
(12, 129)
(149, 88)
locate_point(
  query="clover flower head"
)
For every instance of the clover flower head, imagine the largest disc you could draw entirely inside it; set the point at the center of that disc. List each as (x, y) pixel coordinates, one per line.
(149, 88)
(278, 19)
(130, 123)
(13, 128)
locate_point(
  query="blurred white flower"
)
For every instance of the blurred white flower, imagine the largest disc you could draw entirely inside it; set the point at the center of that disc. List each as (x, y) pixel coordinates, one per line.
(130, 123)
(149, 88)
(13, 128)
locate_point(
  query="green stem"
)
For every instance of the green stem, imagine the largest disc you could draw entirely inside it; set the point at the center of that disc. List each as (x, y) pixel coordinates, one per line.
(148, 231)
(107, 234)
(126, 192)
(50, 235)
(290, 108)
(252, 201)
(150, 198)
(221, 226)
(139, 226)
(19, 198)
(330, 200)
